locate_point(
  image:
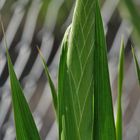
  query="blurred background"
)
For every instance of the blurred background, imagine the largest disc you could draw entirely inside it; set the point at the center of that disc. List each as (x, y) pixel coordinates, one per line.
(42, 23)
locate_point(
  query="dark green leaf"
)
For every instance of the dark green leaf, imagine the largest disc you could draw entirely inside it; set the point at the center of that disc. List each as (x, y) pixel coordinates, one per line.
(104, 126)
(24, 122)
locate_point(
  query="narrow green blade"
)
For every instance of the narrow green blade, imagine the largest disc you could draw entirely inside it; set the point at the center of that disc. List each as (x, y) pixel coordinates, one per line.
(136, 64)
(67, 123)
(24, 122)
(61, 81)
(120, 85)
(52, 87)
(104, 125)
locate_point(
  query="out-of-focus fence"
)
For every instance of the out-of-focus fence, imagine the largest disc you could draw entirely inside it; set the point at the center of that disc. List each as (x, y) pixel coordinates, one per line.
(42, 23)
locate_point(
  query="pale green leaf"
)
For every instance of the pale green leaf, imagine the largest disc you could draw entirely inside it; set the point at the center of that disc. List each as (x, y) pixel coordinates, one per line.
(52, 87)
(120, 84)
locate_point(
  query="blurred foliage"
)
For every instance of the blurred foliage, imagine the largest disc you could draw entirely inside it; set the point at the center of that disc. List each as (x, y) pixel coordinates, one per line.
(130, 10)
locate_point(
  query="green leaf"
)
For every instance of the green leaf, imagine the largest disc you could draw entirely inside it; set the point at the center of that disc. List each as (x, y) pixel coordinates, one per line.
(61, 82)
(120, 84)
(104, 125)
(84, 87)
(80, 69)
(67, 124)
(24, 122)
(52, 87)
(136, 64)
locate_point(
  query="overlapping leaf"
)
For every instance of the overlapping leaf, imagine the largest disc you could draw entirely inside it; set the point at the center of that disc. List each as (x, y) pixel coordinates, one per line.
(84, 104)
(80, 69)
(67, 122)
(84, 86)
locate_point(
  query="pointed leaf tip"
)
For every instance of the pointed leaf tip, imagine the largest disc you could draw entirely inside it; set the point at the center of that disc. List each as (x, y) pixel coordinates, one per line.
(52, 87)
(24, 122)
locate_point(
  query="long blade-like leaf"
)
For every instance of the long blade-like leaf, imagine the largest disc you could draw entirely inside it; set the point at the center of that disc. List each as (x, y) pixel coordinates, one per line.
(86, 78)
(136, 64)
(67, 123)
(104, 126)
(24, 122)
(61, 81)
(52, 87)
(80, 67)
(120, 84)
